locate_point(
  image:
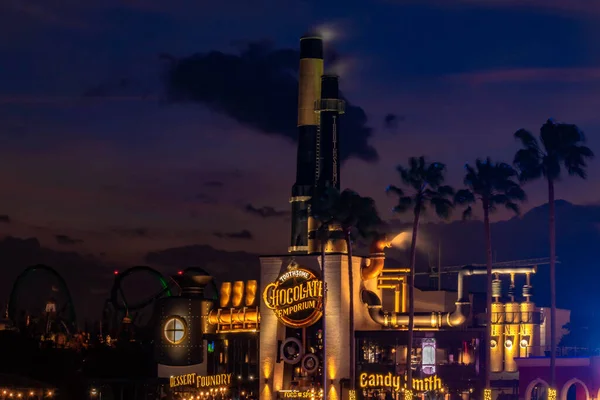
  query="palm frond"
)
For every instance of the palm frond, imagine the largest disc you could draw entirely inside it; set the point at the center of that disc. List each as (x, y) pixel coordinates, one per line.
(391, 189)
(443, 207)
(527, 140)
(464, 197)
(529, 164)
(514, 207)
(404, 204)
(467, 213)
(446, 190)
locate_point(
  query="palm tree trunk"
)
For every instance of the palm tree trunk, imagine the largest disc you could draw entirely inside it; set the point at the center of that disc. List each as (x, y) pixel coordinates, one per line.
(351, 309)
(411, 297)
(488, 262)
(323, 240)
(552, 234)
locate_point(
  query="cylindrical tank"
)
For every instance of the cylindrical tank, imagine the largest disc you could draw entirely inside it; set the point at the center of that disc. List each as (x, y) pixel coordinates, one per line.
(238, 294)
(251, 288)
(526, 338)
(511, 346)
(179, 334)
(225, 294)
(497, 344)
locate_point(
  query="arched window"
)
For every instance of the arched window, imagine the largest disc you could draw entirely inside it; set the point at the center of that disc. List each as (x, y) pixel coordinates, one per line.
(175, 330)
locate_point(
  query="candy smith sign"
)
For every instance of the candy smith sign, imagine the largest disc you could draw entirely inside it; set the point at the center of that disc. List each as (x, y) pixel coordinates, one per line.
(200, 381)
(396, 383)
(296, 297)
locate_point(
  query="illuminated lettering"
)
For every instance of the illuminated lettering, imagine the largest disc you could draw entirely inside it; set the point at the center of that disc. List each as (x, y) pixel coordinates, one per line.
(297, 394)
(296, 297)
(200, 381)
(366, 380)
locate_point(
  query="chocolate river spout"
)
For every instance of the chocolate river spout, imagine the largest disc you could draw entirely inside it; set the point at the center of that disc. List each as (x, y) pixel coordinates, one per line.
(376, 260)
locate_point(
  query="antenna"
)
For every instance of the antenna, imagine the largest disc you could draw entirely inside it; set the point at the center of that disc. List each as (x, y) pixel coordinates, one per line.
(439, 266)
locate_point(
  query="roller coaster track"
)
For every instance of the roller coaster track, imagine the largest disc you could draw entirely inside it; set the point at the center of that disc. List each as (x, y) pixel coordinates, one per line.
(12, 302)
(118, 289)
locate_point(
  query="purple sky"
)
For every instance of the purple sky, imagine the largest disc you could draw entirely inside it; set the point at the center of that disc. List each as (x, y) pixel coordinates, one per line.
(92, 151)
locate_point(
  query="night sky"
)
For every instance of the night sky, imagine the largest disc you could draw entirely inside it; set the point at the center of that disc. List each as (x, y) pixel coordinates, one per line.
(108, 149)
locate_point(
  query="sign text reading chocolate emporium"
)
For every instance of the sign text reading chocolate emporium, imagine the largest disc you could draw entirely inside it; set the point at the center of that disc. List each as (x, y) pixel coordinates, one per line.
(296, 297)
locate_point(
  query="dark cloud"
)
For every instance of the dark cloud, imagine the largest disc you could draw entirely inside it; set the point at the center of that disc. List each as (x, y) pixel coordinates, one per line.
(259, 89)
(219, 263)
(205, 198)
(391, 121)
(135, 232)
(243, 234)
(5, 219)
(107, 89)
(265, 211)
(64, 239)
(214, 184)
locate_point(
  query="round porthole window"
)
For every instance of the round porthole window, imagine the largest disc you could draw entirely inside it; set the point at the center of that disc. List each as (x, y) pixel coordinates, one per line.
(175, 330)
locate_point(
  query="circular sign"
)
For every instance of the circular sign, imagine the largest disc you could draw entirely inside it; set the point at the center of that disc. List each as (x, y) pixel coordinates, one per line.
(291, 351)
(296, 297)
(310, 363)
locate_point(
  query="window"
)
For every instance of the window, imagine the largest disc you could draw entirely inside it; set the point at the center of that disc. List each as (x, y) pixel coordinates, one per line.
(175, 330)
(428, 347)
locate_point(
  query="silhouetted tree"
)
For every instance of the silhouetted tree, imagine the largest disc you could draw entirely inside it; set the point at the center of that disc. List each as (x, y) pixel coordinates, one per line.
(357, 216)
(492, 184)
(425, 181)
(561, 146)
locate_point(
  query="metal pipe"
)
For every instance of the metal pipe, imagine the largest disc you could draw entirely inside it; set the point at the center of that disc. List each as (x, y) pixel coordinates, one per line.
(436, 319)
(234, 316)
(395, 270)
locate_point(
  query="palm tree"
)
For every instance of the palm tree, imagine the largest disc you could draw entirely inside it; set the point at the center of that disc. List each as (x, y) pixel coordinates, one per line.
(355, 215)
(493, 184)
(426, 184)
(561, 146)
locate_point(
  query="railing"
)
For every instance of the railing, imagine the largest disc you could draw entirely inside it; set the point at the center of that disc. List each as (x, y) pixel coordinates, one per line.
(522, 317)
(503, 318)
(563, 351)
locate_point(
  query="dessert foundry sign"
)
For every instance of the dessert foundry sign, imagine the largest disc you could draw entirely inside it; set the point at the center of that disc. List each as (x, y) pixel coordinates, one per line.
(296, 297)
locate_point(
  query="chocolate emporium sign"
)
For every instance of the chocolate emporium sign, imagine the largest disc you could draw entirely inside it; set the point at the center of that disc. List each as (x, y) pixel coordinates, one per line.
(296, 297)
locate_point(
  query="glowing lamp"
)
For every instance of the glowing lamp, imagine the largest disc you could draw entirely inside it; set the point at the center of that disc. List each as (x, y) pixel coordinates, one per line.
(508, 344)
(179, 272)
(116, 272)
(524, 343)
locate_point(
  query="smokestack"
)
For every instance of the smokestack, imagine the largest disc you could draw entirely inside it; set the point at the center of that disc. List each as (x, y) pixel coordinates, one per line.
(309, 92)
(329, 108)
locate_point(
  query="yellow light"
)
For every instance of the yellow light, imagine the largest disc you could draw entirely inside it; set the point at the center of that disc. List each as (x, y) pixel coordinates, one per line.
(487, 394)
(551, 394)
(408, 394)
